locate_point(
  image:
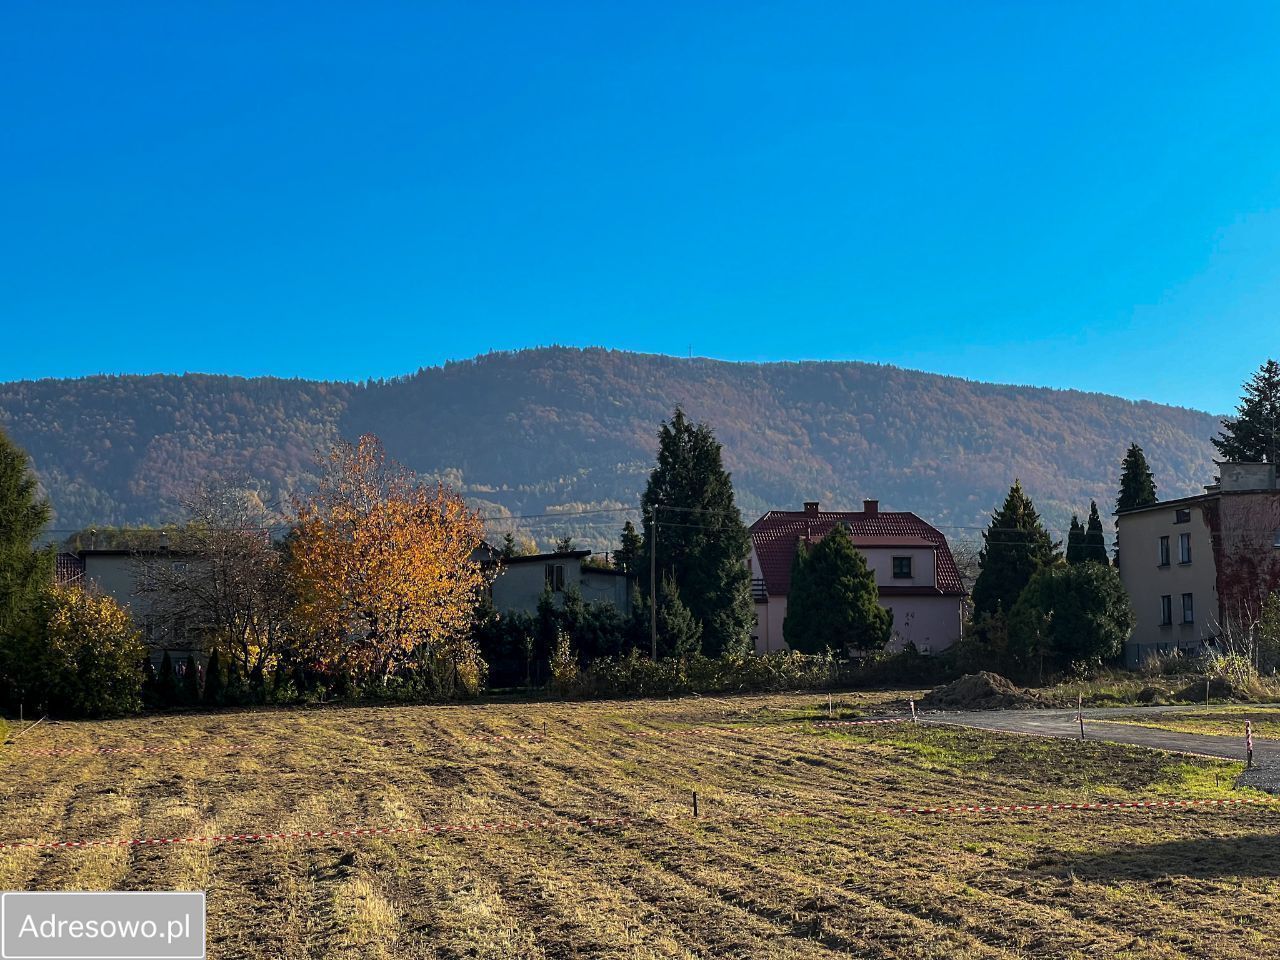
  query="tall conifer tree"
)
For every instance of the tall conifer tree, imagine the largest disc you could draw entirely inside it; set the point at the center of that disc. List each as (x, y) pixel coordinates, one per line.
(1095, 539)
(630, 549)
(1254, 435)
(1137, 485)
(702, 541)
(1016, 545)
(25, 571)
(1075, 541)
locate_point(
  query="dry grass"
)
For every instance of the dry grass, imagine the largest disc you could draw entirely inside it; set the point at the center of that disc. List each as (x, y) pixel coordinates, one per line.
(785, 862)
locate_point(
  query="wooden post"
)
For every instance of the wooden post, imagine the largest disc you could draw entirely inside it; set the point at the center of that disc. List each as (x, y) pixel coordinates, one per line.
(829, 711)
(1080, 715)
(913, 710)
(1206, 690)
(1248, 743)
(695, 804)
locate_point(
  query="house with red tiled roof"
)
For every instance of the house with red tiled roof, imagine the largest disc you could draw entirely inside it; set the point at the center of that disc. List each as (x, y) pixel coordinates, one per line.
(914, 570)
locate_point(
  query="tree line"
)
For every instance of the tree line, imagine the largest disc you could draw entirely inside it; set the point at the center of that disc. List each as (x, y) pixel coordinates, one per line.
(380, 585)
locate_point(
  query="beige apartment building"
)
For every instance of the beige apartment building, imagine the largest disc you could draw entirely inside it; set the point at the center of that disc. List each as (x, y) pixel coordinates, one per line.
(1200, 566)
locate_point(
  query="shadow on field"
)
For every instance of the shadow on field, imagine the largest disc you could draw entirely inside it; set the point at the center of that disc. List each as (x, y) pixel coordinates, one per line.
(1206, 858)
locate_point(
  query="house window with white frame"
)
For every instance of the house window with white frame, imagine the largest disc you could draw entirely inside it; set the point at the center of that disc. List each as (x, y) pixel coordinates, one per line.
(1184, 548)
(1188, 609)
(1166, 610)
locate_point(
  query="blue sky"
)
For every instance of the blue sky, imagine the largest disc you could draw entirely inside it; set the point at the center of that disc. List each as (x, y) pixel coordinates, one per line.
(1077, 195)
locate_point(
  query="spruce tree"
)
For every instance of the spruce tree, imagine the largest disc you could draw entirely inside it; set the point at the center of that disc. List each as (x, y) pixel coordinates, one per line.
(1095, 540)
(1254, 435)
(190, 681)
(213, 680)
(630, 549)
(1137, 485)
(702, 543)
(1016, 545)
(1075, 541)
(150, 695)
(679, 633)
(25, 571)
(166, 683)
(834, 601)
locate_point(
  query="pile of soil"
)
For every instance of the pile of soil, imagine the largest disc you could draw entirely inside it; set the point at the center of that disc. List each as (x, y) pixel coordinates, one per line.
(980, 691)
(1219, 689)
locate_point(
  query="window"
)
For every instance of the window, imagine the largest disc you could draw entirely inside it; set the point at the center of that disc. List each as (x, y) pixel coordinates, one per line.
(902, 568)
(1182, 516)
(1164, 551)
(1184, 548)
(555, 577)
(1275, 539)
(1166, 610)
(1188, 609)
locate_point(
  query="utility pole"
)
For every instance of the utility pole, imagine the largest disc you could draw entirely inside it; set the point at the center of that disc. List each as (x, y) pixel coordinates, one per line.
(653, 584)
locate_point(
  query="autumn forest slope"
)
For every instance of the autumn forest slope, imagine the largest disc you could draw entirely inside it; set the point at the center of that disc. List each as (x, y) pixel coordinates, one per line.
(562, 429)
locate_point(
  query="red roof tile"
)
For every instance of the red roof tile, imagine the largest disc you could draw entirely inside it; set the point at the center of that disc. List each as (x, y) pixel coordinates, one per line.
(776, 533)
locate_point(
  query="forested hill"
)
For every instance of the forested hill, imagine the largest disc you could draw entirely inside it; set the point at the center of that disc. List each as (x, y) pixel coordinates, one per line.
(554, 429)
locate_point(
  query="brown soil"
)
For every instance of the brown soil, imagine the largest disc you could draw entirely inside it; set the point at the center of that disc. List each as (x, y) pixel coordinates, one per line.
(982, 691)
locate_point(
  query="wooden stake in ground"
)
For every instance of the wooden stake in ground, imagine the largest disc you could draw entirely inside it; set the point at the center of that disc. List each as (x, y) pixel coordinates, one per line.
(913, 710)
(1080, 714)
(695, 804)
(1248, 744)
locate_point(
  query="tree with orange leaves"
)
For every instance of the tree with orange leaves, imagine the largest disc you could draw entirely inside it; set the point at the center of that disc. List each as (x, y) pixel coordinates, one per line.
(383, 570)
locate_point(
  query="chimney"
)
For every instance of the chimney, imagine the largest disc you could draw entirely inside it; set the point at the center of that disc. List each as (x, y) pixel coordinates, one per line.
(811, 508)
(870, 506)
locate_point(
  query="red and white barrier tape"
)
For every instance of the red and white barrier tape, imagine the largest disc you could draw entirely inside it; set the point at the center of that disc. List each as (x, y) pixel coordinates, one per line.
(1049, 807)
(72, 751)
(696, 731)
(512, 826)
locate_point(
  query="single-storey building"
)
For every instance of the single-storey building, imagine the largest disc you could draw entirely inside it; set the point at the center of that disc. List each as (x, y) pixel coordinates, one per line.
(915, 571)
(521, 581)
(117, 573)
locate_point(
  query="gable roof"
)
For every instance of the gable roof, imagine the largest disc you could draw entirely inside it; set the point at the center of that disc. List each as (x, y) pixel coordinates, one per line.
(776, 534)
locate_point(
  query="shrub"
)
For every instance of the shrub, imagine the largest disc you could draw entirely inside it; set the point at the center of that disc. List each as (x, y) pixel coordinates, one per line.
(564, 667)
(1070, 617)
(638, 676)
(85, 655)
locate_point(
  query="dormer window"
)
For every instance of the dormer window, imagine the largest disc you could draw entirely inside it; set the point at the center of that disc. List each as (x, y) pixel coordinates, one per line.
(902, 568)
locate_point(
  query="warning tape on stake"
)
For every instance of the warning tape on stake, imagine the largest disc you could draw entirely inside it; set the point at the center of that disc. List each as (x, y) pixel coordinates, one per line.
(1049, 807)
(511, 826)
(73, 751)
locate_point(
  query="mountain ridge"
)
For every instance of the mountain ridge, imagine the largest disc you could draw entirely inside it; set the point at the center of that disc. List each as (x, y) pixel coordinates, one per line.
(559, 428)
